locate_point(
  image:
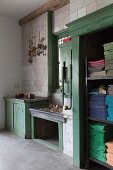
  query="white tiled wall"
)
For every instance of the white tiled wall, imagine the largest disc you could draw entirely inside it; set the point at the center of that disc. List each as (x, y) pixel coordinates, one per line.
(35, 75)
(68, 133)
(75, 10)
(61, 18)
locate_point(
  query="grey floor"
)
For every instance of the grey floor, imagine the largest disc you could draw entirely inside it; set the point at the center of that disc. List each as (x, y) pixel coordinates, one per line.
(19, 154)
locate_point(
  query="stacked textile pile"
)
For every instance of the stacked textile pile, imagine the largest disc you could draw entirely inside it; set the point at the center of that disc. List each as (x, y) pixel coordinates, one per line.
(110, 90)
(99, 134)
(109, 154)
(97, 107)
(108, 53)
(96, 68)
(109, 104)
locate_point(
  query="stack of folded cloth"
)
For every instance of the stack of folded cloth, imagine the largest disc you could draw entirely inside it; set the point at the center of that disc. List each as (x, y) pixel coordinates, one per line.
(108, 53)
(110, 90)
(99, 134)
(96, 68)
(109, 104)
(109, 154)
(97, 107)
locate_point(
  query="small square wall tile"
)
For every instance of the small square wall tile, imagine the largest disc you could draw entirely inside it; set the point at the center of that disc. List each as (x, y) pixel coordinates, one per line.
(91, 7)
(56, 29)
(103, 3)
(73, 16)
(77, 5)
(87, 2)
(82, 12)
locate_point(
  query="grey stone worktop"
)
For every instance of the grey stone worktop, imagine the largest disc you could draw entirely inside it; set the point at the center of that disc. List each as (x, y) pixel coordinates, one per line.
(47, 115)
(36, 99)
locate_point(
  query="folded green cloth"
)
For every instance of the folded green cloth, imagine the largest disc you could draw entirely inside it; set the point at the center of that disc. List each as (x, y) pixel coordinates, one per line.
(108, 46)
(108, 52)
(109, 66)
(98, 149)
(101, 127)
(97, 145)
(109, 73)
(108, 61)
(109, 57)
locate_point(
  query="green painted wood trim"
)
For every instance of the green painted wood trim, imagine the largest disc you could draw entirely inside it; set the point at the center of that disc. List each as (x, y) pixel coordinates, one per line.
(47, 118)
(75, 97)
(64, 45)
(97, 20)
(27, 121)
(21, 135)
(32, 127)
(60, 134)
(60, 129)
(50, 66)
(55, 63)
(52, 57)
(63, 33)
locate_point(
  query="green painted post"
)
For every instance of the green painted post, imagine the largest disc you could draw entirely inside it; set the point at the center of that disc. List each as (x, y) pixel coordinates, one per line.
(60, 129)
(52, 57)
(32, 127)
(75, 97)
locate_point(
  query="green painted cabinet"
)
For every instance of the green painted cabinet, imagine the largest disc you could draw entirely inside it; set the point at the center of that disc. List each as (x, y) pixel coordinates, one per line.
(18, 119)
(9, 115)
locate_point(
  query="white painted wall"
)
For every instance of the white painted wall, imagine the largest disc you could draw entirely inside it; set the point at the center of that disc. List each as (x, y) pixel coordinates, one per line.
(76, 9)
(35, 75)
(10, 61)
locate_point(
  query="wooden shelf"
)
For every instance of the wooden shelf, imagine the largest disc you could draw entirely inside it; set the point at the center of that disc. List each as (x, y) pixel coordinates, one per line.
(101, 121)
(99, 78)
(101, 163)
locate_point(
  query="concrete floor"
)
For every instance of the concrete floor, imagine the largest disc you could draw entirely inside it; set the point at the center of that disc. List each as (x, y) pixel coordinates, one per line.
(19, 154)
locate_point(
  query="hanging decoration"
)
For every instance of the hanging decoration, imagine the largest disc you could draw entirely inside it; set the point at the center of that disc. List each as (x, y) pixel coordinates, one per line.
(36, 50)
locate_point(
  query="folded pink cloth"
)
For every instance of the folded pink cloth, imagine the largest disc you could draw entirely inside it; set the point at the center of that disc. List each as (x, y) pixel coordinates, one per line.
(98, 61)
(110, 150)
(109, 144)
(110, 162)
(109, 156)
(95, 63)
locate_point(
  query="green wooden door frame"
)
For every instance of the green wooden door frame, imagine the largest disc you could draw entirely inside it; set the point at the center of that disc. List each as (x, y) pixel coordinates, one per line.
(94, 22)
(52, 57)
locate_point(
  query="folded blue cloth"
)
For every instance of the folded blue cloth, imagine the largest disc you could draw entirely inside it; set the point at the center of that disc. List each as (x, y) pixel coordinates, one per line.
(99, 110)
(99, 115)
(97, 104)
(109, 100)
(110, 111)
(97, 98)
(109, 118)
